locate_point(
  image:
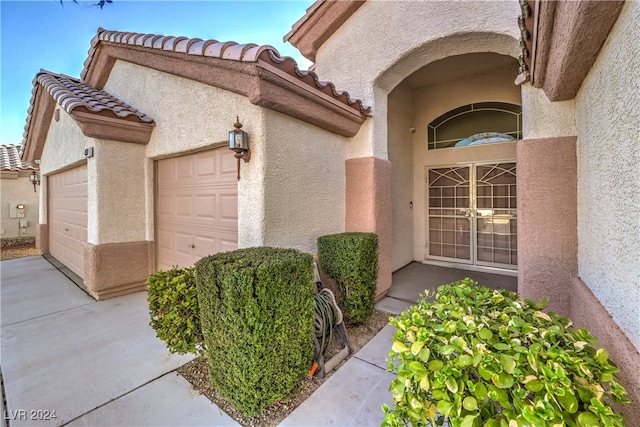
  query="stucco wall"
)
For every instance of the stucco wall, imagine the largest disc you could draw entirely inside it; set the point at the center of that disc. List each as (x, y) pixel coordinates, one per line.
(608, 152)
(547, 238)
(192, 116)
(304, 182)
(116, 193)
(16, 188)
(542, 118)
(361, 43)
(64, 146)
(400, 121)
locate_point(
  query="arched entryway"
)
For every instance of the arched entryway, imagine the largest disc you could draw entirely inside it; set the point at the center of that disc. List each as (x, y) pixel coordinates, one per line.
(452, 131)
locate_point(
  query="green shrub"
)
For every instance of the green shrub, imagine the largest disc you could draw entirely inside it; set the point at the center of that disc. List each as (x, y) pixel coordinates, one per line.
(351, 259)
(257, 310)
(173, 307)
(483, 357)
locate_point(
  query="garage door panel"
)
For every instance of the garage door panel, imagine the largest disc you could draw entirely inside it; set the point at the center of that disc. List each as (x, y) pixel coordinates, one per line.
(205, 246)
(206, 165)
(68, 217)
(183, 243)
(184, 206)
(229, 208)
(228, 166)
(206, 206)
(184, 168)
(202, 219)
(166, 173)
(165, 240)
(165, 205)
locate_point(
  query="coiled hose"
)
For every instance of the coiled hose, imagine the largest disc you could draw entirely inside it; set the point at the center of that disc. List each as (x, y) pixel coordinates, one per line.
(328, 316)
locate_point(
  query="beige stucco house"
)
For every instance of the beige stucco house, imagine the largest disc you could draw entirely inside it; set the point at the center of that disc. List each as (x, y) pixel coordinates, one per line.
(19, 211)
(498, 135)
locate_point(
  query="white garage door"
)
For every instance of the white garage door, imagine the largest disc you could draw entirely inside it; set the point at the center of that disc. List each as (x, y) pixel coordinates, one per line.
(196, 207)
(68, 217)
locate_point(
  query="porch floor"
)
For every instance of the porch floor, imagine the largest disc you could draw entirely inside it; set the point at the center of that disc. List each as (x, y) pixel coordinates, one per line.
(414, 278)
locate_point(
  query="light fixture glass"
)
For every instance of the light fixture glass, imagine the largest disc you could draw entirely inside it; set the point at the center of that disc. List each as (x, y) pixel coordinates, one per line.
(238, 139)
(35, 179)
(239, 142)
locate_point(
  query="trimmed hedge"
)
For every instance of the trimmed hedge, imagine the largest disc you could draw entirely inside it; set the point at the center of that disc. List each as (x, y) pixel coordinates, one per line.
(257, 309)
(173, 308)
(351, 259)
(483, 357)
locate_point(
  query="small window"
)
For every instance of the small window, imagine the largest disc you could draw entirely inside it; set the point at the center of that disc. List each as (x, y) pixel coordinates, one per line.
(475, 124)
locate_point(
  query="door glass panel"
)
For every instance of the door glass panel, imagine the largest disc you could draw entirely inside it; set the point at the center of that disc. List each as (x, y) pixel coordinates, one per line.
(449, 226)
(496, 214)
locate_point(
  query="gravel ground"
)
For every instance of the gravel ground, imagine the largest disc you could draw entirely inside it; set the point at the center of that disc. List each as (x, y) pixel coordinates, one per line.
(18, 252)
(196, 372)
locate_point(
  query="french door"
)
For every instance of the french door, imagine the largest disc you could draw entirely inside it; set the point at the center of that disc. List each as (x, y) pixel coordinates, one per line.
(471, 214)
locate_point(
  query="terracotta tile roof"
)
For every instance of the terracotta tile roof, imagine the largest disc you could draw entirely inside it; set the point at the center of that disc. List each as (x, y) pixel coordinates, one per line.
(10, 158)
(93, 110)
(231, 51)
(72, 94)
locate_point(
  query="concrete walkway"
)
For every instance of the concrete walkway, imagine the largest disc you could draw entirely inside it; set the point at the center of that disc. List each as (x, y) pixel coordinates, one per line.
(64, 355)
(100, 364)
(353, 396)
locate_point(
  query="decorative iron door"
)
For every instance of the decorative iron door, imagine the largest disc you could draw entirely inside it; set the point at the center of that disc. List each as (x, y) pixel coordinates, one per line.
(472, 214)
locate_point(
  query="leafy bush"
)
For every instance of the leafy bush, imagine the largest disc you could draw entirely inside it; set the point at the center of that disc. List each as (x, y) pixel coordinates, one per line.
(483, 357)
(257, 310)
(173, 307)
(352, 260)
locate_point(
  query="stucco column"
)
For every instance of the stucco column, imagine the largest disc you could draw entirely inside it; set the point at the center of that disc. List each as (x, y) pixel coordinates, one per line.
(547, 220)
(368, 209)
(117, 257)
(42, 228)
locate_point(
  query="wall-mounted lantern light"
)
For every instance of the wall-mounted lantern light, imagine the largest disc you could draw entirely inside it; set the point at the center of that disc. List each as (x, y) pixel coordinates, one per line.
(239, 142)
(35, 179)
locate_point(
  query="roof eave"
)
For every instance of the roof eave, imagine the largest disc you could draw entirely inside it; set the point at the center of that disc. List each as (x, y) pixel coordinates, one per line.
(101, 127)
(263, 84)
(561, 55)
(36, 129)
(287, 96)
(320, 22)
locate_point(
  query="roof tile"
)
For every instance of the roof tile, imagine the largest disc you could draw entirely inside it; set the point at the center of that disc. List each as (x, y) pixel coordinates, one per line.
(10, 158)
(222, 50)
(71, 93)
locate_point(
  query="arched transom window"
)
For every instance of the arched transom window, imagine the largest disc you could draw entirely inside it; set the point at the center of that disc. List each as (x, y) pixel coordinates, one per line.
(475, 124)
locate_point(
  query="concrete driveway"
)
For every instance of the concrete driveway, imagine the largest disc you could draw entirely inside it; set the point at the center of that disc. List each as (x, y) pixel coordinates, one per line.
(69, 360)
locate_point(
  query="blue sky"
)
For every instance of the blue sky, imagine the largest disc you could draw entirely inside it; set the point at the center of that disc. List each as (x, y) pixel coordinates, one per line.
(45, 34)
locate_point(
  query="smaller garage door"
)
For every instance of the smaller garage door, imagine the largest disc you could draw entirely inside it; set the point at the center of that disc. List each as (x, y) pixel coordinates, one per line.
(196, 207)
(68, 217)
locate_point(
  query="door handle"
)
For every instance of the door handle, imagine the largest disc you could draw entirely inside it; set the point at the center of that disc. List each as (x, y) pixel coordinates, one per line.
(192, 246)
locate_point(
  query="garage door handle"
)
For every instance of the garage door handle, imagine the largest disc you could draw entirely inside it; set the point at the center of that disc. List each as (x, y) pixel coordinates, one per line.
(66, 229)
(192, 246)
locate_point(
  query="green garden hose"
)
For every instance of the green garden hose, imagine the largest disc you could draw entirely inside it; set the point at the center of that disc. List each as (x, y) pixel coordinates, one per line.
(328, 316)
